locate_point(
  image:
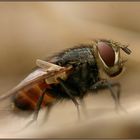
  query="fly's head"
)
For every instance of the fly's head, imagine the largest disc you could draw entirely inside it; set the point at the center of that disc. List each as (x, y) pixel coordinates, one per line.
(108, 54)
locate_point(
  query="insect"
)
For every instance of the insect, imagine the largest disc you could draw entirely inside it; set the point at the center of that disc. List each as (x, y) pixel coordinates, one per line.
(70, 74)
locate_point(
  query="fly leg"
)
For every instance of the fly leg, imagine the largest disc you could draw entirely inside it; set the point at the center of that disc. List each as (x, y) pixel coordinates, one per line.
(85, 78)
(47, 113)
(36, 112)
(70, 95)
(104, 84)
(38, 106)
(83, 105)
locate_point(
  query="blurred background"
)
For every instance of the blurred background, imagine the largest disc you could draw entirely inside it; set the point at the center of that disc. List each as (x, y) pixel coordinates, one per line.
(32, 30)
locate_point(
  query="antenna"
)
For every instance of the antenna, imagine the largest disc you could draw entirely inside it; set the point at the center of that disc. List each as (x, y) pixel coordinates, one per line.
(126, 49)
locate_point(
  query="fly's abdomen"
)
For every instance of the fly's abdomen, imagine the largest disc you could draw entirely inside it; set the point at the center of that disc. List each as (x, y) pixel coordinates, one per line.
(27, 98)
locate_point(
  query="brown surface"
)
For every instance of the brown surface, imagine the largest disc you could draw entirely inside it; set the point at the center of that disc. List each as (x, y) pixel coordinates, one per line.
(31, 31)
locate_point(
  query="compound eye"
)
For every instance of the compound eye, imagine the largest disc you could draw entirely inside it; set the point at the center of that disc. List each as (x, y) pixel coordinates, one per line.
(106, 53)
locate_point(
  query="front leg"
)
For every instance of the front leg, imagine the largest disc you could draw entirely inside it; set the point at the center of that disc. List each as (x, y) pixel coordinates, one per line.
(105, 84)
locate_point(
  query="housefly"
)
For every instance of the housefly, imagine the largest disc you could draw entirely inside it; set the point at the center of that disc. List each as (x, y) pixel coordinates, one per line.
(70, 74)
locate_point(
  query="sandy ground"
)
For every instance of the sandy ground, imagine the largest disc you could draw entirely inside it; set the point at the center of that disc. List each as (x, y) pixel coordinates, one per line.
(37, 37)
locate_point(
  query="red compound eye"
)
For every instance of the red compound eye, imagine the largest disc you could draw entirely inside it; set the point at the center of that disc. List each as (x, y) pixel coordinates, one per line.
(106, 53)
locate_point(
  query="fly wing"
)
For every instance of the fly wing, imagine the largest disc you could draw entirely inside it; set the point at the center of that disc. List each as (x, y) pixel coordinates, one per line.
(39, 74)
(33, 76)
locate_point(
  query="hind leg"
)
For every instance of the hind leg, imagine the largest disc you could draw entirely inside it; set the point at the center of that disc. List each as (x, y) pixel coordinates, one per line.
(47, 114)
(38, 106)
(36, 112)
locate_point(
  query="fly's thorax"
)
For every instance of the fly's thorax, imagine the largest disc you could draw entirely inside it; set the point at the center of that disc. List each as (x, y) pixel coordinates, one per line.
(107, 53)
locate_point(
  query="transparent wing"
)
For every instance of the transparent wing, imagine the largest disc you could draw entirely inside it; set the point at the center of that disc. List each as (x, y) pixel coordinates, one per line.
(38, 74)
